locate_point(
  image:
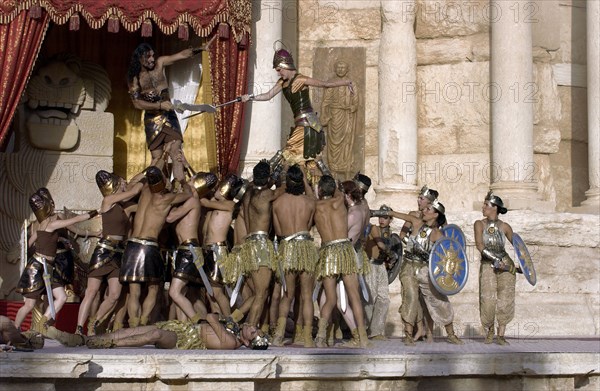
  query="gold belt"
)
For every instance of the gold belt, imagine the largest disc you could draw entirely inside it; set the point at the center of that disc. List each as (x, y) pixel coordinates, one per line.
(109, 247)
(331, 243)
(302, 235)
(257, 235)
(42, 258)
(209, 247)
(144, 242)
(303, 115)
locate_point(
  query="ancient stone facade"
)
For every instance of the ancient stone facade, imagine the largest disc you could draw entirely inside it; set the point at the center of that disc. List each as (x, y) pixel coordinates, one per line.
(468, 96)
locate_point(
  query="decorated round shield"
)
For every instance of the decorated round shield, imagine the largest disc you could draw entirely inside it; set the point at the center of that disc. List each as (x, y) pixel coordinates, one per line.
(453, 231)
(448, 266)
(522, 254)
(393, 265)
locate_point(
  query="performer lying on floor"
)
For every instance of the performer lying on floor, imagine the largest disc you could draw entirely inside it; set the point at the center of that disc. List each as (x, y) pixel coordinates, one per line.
(174, 334)
(12, 338)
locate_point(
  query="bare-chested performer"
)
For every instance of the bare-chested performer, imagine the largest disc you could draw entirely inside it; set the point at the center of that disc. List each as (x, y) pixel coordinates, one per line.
(259, 249)
(211, 333)
(293, 214)
(149, 91)
(358, 218)
(216, 226)
(11, 338)
(337, 258)
(142, 260)
(189, 253)
(236, 264)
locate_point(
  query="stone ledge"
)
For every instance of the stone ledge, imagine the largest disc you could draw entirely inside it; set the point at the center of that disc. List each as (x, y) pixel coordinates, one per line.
(389, 360)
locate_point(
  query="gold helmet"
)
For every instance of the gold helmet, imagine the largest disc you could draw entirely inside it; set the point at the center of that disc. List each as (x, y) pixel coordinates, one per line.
(203, 182)
(107, 182)
(156, 180)
(44, 192)
(41, 206)
(227, 184)
(243, 186)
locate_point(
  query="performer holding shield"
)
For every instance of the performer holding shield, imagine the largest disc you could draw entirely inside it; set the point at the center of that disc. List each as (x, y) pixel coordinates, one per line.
(497, 270)
(418, 250)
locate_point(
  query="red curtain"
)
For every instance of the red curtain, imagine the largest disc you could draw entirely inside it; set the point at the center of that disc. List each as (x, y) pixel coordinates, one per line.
(22, 37)
(20, 42)
(230, 77)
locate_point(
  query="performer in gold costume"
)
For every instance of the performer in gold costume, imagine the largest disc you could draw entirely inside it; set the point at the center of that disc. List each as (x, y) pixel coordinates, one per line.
(497, 270)
(306, 139)
(420, 243)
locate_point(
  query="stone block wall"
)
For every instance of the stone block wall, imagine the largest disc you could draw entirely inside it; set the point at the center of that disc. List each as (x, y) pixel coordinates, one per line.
(454, 141)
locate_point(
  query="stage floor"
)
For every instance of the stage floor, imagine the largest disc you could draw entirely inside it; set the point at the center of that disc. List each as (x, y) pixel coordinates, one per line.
(532, 363)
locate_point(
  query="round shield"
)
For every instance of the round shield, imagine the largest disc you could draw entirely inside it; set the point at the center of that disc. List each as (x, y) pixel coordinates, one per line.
(448, 266)
(393, 265)
(522, 254)
(453, 231)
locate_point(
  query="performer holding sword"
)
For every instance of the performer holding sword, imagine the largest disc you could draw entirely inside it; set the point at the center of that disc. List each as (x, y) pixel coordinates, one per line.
(307, 138)
(148, 89)
(38, 277)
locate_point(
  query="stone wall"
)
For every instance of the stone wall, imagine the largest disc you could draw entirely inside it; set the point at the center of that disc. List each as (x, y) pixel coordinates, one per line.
(454, 90)
(454, 140)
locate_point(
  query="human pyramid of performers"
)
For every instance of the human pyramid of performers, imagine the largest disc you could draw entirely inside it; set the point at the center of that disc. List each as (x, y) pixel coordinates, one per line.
(169, 241)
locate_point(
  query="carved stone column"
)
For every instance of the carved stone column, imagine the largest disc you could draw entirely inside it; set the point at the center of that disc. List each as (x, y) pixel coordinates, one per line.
(592, 203)
(262, 133)
(397, 104)
(512, 105)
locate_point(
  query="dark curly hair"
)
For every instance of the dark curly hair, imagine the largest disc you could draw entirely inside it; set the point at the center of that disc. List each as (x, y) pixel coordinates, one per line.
(326, 186)
(294, 183)
(261, 173)
(135, 65)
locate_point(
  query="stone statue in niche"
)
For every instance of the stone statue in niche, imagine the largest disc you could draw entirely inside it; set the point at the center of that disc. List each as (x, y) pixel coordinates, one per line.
(339, 113)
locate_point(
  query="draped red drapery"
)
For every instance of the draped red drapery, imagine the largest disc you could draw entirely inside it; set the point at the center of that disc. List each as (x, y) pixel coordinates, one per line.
(20, 42)
(228, 72)
(22, 26)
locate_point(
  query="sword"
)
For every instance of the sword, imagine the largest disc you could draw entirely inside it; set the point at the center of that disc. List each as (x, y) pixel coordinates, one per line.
(363, 287)
(213, 108)
(203, 276)
(236, 290)
(281, 271)
(315, 295)
(361, 279)
(48, 283)
(216, 251)
(342, 296)
(180, 107)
